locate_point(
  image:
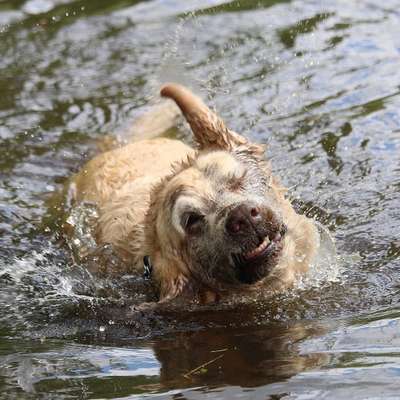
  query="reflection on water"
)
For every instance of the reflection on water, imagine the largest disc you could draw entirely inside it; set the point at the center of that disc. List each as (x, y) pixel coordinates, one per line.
(262, 362)
(236, 357)
(317, 81)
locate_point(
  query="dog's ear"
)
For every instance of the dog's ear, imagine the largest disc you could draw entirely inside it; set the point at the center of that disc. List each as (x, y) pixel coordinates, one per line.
(209, 130)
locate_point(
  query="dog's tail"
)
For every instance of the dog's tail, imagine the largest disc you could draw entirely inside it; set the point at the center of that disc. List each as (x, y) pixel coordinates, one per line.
(209, 130)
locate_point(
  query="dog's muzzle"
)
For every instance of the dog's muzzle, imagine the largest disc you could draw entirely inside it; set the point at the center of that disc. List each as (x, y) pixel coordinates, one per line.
(259, 235)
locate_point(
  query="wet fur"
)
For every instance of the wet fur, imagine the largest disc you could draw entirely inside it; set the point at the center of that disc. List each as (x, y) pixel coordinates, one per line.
(137, 190)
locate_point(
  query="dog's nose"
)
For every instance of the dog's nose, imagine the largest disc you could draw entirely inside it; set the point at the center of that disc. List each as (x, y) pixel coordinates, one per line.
(241, 218)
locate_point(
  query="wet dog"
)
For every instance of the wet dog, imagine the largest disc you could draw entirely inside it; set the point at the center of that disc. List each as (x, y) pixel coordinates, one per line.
(212, 220)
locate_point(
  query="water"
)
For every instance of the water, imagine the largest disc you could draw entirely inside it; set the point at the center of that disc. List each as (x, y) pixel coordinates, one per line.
(317, 81)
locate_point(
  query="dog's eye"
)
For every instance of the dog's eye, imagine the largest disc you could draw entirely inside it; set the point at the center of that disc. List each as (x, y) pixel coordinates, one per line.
(236, 183)
(192, 222)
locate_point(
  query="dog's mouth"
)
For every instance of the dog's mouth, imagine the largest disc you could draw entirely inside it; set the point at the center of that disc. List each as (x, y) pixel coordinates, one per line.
(255, 264)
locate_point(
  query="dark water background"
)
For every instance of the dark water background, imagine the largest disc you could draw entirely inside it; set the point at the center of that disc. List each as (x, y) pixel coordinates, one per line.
(319, 81)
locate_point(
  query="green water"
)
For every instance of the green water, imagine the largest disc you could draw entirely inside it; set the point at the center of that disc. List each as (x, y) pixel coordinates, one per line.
(318, 81)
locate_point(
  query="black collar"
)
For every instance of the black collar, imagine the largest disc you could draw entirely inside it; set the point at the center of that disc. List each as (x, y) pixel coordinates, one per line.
(147, 268)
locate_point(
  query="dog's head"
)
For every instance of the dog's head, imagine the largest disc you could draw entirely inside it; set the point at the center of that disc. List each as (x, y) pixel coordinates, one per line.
(217, 219)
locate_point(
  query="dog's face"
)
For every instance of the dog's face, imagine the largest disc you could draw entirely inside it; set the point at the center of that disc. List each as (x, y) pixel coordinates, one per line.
(219, 219)
(221, 213)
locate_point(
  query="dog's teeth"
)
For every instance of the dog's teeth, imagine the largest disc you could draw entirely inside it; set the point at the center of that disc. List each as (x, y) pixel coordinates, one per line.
(258, 249)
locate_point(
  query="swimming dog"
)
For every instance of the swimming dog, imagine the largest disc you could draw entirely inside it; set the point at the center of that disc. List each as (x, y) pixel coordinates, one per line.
(212, 219)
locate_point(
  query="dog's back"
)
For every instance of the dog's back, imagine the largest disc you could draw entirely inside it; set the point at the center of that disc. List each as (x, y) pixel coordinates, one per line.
(105, 177)
(118, 182)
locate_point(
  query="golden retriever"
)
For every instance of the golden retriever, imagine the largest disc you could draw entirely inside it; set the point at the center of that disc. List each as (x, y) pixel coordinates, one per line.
(212, 220)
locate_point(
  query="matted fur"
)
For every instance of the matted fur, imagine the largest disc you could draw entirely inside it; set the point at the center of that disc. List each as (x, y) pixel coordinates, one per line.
(145, 190)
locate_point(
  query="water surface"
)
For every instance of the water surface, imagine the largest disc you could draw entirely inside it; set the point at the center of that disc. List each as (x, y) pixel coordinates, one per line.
(317, 81)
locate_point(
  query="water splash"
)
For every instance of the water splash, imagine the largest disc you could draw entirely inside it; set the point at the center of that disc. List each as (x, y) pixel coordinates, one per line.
(326, 267)
(81, 223)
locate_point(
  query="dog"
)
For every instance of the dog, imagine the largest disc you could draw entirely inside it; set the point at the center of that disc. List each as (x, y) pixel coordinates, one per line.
(212, 220)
